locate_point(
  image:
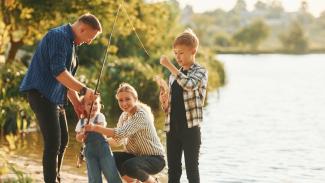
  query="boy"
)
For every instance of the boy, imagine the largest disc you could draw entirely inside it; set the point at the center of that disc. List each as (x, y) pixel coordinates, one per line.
(183, 103)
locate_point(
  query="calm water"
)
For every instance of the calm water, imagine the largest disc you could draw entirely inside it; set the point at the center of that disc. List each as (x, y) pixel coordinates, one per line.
(268, 123)
(266, 126)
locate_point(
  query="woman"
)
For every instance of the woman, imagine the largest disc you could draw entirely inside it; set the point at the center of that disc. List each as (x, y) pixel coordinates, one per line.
(144, 154)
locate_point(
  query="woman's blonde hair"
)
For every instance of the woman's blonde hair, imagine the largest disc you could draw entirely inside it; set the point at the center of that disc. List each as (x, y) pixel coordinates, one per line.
(126, 87)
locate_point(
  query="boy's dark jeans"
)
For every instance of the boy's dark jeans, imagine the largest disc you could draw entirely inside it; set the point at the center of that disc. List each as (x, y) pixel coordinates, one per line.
(53, 124)
(189, 141)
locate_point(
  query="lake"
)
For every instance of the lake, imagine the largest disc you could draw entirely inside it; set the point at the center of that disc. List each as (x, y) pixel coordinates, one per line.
(267, 125)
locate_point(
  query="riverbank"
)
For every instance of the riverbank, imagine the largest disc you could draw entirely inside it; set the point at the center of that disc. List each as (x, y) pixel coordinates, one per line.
(271, 51)
(33, 169)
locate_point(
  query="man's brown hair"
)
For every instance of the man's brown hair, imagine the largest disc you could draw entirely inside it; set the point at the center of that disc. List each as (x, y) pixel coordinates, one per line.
(91, 20)
(187, 38)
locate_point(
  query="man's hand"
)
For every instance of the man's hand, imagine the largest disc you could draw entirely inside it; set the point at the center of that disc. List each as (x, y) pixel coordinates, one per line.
(79, 109)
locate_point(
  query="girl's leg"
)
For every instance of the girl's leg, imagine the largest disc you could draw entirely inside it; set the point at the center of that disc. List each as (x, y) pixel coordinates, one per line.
(93, 170)
(108, 165)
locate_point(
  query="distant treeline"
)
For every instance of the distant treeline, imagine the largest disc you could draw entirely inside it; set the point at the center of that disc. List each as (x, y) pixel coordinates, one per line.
(267, 28)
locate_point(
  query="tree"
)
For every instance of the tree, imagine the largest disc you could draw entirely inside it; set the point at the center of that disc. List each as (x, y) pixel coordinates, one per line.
(275, 9)
(295, 39)
(26, 21)
(240, 7)
(304, 16)
(260, 6)
(252, 34)
(23, 22)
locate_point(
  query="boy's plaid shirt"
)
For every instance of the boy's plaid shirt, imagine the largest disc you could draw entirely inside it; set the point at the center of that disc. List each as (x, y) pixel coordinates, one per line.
(194, 85)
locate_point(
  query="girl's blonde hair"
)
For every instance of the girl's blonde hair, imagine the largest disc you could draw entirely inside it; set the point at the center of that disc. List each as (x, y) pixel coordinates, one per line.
(126, 87)
(187, 38)
(82, 100)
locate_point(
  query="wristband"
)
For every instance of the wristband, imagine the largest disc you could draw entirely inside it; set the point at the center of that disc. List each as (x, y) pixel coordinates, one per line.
(83, 90)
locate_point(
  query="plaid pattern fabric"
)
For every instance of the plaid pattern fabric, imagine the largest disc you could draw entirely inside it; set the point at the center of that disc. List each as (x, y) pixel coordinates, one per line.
(195, 86)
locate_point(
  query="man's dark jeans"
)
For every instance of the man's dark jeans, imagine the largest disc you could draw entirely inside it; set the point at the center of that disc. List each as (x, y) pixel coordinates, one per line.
(53, 124)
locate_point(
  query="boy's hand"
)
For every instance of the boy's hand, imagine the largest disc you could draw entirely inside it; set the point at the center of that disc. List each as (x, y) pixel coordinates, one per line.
(164, 97)
(164, 61)
(162, 84)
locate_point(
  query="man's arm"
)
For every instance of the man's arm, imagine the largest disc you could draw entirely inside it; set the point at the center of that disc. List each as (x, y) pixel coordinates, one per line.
(69, 81)
(77, 105)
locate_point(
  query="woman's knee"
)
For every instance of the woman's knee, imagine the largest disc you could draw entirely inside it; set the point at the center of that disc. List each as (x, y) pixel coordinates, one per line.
(131, 169)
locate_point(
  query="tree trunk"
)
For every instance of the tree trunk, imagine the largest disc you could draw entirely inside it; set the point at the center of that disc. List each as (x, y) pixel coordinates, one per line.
(14, 46)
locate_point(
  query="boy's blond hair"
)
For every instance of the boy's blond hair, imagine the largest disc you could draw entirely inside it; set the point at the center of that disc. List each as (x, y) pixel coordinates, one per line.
(187, 38)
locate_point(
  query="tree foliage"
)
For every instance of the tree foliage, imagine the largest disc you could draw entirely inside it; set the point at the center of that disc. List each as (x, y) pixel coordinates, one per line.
(252, 34)
(295, 39)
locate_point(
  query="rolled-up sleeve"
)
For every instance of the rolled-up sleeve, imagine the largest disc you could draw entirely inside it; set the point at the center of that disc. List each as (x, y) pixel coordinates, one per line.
(192, 81)
(131, 126)
(58, 52)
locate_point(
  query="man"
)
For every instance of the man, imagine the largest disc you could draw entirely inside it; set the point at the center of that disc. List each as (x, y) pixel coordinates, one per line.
(50, 82)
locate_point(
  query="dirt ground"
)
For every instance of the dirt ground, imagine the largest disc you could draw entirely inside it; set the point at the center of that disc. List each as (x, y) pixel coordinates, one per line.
(33, 169)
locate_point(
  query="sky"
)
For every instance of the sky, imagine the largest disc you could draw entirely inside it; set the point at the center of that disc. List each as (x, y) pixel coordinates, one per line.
(315, 6)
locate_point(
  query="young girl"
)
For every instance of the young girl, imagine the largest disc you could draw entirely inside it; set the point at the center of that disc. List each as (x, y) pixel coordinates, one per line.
(144, 154)
(97, 151)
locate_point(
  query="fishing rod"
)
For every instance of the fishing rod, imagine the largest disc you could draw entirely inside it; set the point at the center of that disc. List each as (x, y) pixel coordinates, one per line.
(104, 60)
(80, 156)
